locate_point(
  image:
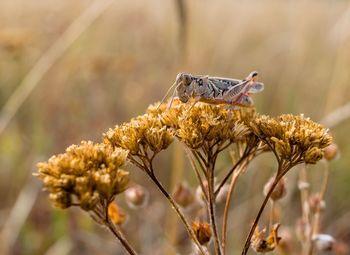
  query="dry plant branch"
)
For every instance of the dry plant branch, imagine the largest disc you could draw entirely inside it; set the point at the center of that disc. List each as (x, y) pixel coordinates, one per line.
(205, 130)
(261, 210)
(234, 179)
(152, 176)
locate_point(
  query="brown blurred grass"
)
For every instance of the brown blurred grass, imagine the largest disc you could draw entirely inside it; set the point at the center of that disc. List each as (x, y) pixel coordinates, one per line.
(128, 58)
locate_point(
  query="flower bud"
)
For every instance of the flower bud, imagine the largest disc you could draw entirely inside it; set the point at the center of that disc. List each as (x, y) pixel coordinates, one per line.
(330, 152)
(136, 196)
(183, 195)
(202, 231)
(312, 155)
(323, 243)
(278, 192)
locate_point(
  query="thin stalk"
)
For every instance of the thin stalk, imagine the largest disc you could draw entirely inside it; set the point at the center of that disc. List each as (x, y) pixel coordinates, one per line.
(202, 159)
(271, 218)
(197, 174)
(304, 196)
(230, 172)
(262, 207)
(226, 210)
(117, 233)
(317, 216)
(212, 213)
(325, 181)
(177, 210)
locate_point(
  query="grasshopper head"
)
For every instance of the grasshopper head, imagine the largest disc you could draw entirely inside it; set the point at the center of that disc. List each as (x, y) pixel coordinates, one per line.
(183, 81)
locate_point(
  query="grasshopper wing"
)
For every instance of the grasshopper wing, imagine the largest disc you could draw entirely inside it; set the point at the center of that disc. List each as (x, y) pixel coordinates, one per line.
(223, 83)
(235, 90)
(256, 87)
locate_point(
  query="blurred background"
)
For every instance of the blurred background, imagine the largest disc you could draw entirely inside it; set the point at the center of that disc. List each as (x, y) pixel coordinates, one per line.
(69, 70)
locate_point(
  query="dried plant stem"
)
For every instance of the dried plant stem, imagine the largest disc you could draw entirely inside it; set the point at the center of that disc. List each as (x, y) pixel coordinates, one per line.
(280, 174)
(271, 218)
(212, 211)
(196, 170)
(226, 210)
(304, 193)
(232, 170)
(315, 228)
(325, 180)
(176, 208)
(109, 224)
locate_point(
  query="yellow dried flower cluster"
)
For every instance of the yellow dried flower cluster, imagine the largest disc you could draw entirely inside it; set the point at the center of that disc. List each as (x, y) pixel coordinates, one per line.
(204, 123)
(293, 137)
(140, 134)
(84, 175)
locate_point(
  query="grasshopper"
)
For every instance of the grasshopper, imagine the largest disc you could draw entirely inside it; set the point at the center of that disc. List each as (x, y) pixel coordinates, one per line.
(215, 90)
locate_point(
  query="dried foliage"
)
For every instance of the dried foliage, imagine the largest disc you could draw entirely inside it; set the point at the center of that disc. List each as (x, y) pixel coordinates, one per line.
(89, 174)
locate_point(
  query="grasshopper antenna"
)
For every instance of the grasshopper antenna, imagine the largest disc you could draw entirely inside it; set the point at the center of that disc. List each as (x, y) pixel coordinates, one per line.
(167, 93)
(172, 97)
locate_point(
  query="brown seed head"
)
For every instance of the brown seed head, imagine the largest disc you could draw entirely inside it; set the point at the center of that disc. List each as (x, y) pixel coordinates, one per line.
(204, 123)
(85, 173)
(294, 138)
(143, 132)
(202, 231)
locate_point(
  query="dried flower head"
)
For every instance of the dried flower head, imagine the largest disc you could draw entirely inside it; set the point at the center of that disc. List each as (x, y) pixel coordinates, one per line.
(140, 134)
(202, 231)
(84, 175)
(294, 138)
(261, 244)
(204, 123)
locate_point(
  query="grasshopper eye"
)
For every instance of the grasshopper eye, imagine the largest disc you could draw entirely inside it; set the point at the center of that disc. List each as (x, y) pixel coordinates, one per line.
(188, 80)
